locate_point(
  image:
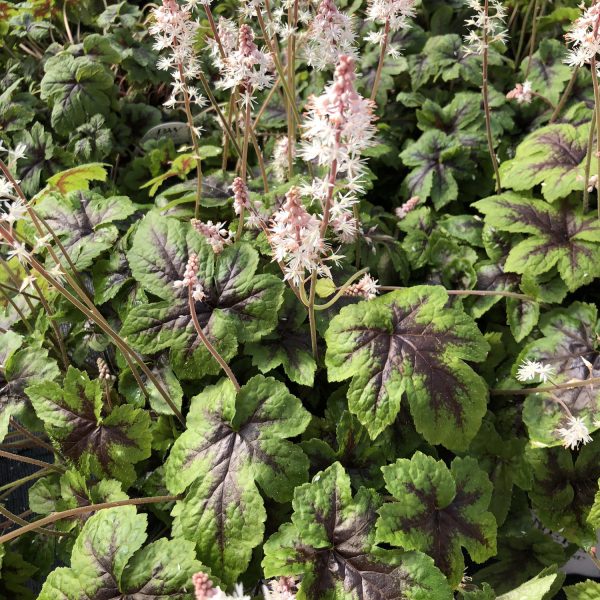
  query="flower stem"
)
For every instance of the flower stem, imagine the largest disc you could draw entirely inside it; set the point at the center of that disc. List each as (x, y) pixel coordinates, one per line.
(588, 164)
(565, 96)
(207, 343)
(311, 315)
(82, 510)
(486, 104)
(382, 53)
(31, 461)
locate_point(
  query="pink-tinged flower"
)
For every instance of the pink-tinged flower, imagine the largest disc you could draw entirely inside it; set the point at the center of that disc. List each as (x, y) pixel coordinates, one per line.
(280, 589)
(583, 37)
(248, 67)
(175, 30)
(522, 93)
(296, 239)
(241, 199)
(215, 234)
(407, 207)
(366, 288)
(330, 35)
(485, 28)
(190, 279)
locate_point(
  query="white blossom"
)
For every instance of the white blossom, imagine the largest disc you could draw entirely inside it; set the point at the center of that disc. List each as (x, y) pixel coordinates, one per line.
(531, 370)
(485, 29)
(575, 433)
(584, 44)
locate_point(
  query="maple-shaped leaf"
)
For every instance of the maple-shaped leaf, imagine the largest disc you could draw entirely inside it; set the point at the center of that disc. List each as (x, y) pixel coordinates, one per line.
(547, 71)
(586, 590)
(20, 367)
(569, 339)
(439, 511)
(563, 489)
(560, 237)
(437, 161)
(503, 459)
(553, 157)
(99, 443)
(522, 316)
(55, 493)
(233, 442)
(110, 561)
(411, 342)
(331, 542)
(83, 220)
(288, 345)
(240, 306)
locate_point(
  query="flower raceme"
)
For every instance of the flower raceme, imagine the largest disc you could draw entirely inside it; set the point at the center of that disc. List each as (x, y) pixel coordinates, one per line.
(190, 279)
(175, 30)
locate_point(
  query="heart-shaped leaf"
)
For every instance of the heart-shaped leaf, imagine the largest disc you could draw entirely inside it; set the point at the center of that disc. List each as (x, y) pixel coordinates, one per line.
(331, 542)
(439, 511)
(240, 306)
(570, 337)
(76, 88)
(100, 444)
(586, 590)
(560, 237)
(437, 161)
(108, 561)
(233, 442)
(553, 156)
(410, 342)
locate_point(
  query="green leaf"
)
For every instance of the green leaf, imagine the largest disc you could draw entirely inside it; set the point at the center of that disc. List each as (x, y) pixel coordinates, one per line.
(439, 511)
(100, 444)
(83, 220)
(77, 178)
(108, 561)
(233, 442)
(410, 342)
(20, 368)
(553, 157)
(547, 72)
(586, 590)
(560, 237)
(288, 346)
(437, 161)
(331, 542)
(563, 489)
(534, 589)
(240, 306)
(76, 88)
(569, 337)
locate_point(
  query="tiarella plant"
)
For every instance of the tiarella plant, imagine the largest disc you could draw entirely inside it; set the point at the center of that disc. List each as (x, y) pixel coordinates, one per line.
(298, 300)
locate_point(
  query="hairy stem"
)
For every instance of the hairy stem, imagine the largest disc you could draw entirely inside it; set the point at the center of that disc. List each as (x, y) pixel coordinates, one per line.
(382, 53)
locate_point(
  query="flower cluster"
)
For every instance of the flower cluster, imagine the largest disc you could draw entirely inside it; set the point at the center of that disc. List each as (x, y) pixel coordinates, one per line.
(338, 127)
(280, 589)
(485, 28)
(204, 589)
(248, 67)
(296, 239)
(330, 35)
(190, 279)
(216, 234)
(522, 93)
(575, 433)
(175, 30)
(394, 15)
(531, 370)
(366, 288)
(407, 207)
(584, 38)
